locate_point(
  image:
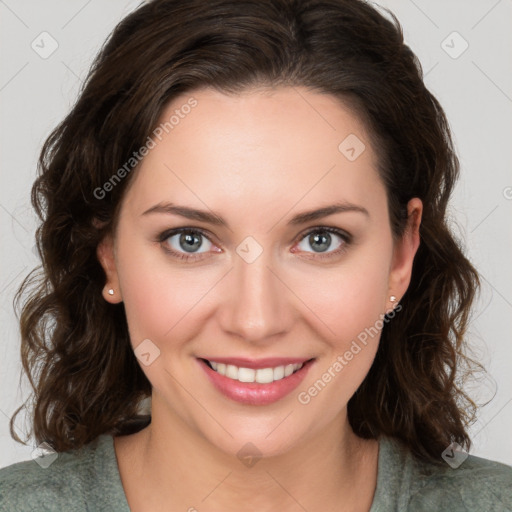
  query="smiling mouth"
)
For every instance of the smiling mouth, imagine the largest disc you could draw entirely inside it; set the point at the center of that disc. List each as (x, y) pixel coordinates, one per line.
(252, 375)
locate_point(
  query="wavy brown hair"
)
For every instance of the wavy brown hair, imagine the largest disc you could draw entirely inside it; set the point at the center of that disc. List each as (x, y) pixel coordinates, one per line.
(75, 346)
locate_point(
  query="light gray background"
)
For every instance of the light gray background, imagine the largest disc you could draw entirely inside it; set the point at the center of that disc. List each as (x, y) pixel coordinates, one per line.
(475, 90)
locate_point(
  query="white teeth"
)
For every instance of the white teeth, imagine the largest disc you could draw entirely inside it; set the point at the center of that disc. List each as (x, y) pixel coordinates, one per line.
(261, 376)
(231, 372)
(288, 369)
(265, 375)
(246, 374)
(278, 373)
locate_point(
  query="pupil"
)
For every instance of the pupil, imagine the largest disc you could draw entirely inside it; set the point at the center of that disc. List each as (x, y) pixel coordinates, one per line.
(189, 241)
(325, 239)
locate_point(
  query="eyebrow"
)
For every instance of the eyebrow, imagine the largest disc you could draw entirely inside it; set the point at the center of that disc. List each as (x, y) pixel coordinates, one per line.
(214, 219)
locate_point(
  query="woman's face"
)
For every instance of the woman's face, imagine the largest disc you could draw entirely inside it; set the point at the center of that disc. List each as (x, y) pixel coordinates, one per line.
(251, 281)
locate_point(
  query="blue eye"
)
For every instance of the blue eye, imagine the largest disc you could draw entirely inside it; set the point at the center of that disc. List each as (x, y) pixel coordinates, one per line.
(321, 239)
(186, 239)
(186, 243)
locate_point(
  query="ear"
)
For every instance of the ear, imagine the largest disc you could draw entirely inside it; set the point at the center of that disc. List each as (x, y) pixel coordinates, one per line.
(404, 251)
(106, 256)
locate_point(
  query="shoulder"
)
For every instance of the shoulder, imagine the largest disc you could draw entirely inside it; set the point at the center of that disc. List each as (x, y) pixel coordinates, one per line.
(46, 483)
(477, 484)
(470, 483)
(70, 481)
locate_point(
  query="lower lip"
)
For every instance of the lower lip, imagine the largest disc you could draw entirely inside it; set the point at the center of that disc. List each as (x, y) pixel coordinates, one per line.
(253, 393)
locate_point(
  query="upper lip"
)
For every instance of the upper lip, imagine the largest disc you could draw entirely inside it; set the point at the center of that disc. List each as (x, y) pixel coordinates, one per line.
(267, 362)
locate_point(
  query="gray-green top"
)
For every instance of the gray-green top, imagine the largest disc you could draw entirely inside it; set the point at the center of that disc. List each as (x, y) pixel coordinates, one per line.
(89, 480)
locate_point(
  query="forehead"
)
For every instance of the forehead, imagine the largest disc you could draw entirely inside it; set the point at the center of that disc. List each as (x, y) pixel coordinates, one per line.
(258, 147)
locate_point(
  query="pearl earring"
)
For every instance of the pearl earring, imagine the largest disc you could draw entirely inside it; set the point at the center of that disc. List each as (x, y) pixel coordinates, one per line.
(111, 291)
(392, 298)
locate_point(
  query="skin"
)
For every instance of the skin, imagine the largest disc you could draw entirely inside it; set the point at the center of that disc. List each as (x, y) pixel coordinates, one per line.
(256, 159)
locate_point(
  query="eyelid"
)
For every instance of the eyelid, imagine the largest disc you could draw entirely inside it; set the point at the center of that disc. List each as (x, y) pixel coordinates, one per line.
(329, 229)
(162, 237)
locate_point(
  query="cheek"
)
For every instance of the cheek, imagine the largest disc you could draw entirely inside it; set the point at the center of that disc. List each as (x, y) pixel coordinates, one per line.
(363, 301)
(353, 311)
(347, 299)
(350, 301)
(157, 298)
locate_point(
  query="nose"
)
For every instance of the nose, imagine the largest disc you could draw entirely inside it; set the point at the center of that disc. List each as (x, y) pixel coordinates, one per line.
(258, 304)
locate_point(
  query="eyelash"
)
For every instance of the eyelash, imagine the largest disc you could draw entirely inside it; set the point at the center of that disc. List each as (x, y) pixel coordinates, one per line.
(163, 237)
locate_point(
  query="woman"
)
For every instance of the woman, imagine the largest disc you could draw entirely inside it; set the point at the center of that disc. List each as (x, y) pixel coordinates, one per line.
(244, 219)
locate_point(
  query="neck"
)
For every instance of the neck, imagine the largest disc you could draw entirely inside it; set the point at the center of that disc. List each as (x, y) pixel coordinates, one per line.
(176, 466)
